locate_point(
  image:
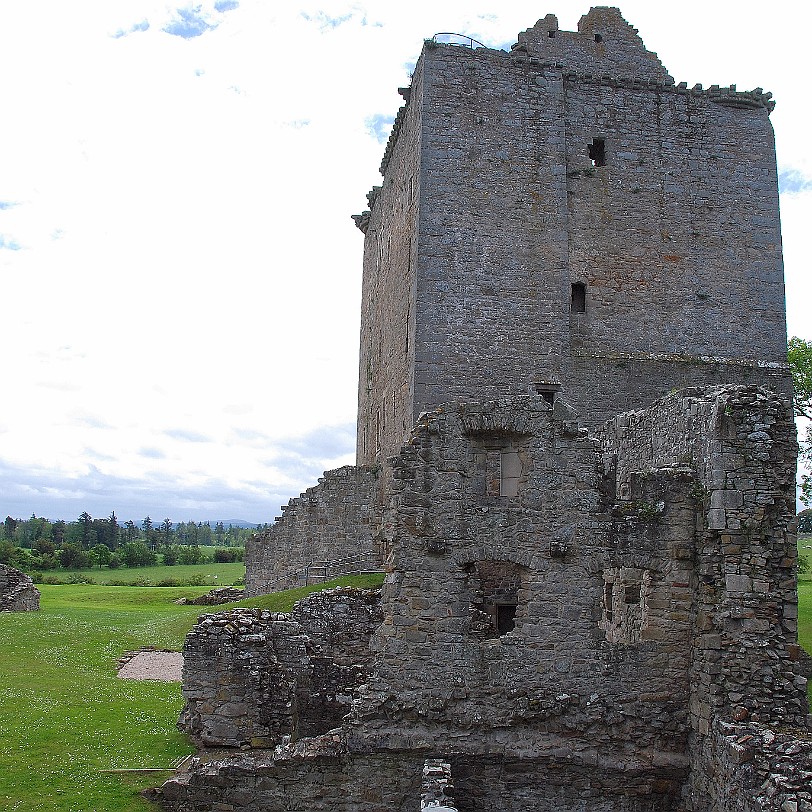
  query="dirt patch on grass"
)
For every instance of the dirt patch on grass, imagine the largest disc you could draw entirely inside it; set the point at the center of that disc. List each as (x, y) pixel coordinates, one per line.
(149, 664)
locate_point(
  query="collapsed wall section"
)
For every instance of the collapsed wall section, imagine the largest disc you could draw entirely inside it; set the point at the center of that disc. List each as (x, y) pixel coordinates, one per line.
(325, 532)
(745, 663)
(17, 591)
(252, 678)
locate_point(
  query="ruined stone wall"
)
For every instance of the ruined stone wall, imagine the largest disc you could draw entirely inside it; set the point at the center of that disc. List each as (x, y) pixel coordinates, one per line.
(568, 619)
(596, 663)
(605, 44)
(745, 661)
(252, 677)
(330, 526)
(308, 776)
(757, 768)
(17, 591)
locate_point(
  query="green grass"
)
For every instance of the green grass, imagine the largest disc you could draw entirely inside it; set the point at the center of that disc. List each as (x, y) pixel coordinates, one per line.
(64, 714)
(210, 574)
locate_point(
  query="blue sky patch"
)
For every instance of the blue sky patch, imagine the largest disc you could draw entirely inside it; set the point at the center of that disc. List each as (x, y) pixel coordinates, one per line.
(142, 26)
(189, 22)
(379, 126)
(325, 22)
(792, 181)
(9, 244)
(226, 5)
(6, 204)
(187, 436)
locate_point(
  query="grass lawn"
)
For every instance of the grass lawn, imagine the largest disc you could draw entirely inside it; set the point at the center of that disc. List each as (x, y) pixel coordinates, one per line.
(64, 714)
(209, 574)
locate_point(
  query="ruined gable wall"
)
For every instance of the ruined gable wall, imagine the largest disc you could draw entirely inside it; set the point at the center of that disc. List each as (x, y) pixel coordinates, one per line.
(386, 360)
(17, 591)
(515, 213)
(567, 678)
(330, 522)
(604, 45)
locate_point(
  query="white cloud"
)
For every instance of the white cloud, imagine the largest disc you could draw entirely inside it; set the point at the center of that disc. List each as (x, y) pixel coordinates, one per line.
(176, 249)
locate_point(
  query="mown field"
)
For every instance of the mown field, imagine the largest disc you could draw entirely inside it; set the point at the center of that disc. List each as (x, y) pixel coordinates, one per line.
(197, 574)
(64, 714)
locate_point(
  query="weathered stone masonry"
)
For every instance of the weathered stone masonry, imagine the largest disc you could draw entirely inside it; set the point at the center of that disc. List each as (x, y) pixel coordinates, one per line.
(576, 462)
(17, 591)
(633, 634)
(329, 528)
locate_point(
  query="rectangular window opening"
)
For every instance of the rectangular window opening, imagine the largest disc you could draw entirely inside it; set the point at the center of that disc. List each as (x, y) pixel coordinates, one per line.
(505, 618)
(632, 593)
(608, 589)
(551, 34)
(548, 391)
(578, 298)
(597, 152)
(598, 38)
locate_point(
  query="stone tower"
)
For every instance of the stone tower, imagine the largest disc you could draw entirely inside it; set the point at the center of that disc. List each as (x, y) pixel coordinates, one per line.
(565, 219)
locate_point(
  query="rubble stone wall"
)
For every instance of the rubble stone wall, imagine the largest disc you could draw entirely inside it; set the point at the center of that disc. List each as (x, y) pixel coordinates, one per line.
(252, 677)
(17, 591)
(330, 522)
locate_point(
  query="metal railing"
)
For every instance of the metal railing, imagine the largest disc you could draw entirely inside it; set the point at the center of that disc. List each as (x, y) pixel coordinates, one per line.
(463, 40)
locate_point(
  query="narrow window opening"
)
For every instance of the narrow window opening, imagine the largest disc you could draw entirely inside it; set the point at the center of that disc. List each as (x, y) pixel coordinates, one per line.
(597, 152)
(510, 469)
(608, 588)
(551, 34)
(578, 298)
(598, 37)
(505, 618)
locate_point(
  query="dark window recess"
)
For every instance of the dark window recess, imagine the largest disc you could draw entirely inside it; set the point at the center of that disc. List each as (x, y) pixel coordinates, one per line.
(505, 618)
(597, 152)
(578, 298)
(551, 34)
(608, 600)
(548, 391)
(598, 37)
(632, 593)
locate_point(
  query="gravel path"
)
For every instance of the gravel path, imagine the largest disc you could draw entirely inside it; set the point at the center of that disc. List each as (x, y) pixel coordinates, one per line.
(160, 665)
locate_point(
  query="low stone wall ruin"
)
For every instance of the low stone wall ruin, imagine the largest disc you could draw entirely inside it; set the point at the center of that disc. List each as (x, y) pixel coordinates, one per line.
(252, 677)
(324, 533)
(17, 591)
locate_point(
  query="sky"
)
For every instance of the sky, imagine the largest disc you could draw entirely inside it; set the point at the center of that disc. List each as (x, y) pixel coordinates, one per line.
(179, 274)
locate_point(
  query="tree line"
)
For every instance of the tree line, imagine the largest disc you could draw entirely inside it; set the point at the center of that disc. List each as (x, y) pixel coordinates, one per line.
(38, 543)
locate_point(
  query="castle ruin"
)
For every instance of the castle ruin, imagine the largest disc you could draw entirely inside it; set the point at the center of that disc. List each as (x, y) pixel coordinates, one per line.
(575, 462)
